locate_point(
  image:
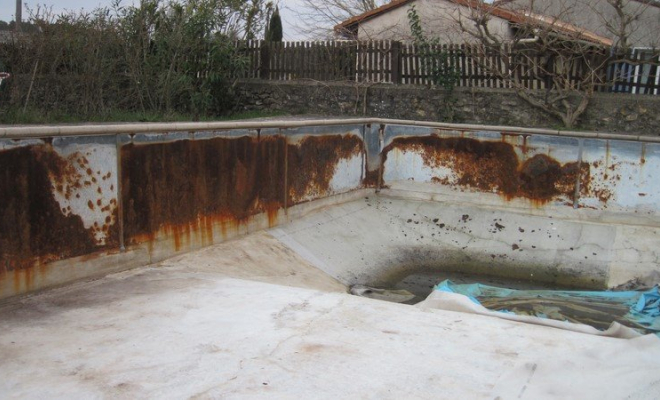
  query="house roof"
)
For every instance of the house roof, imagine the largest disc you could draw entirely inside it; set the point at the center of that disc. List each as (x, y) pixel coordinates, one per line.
(356, 20)
(513, 16)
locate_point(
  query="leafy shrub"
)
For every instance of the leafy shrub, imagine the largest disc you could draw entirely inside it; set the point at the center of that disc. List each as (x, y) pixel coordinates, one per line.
(160, 56)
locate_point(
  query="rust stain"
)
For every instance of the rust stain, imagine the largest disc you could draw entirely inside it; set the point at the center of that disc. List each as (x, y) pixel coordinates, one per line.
(524, 147)
(642, 158)
(34, 229)
(188, 187)
(313, 161)
(371, 179)
(543, 178)
(208, 231)
(603, 195)
(607, 154)
(605, 177)
(494, 167)
(272, 210)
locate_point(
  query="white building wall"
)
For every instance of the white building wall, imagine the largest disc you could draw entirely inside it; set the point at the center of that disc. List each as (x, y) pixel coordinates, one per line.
(439, 20)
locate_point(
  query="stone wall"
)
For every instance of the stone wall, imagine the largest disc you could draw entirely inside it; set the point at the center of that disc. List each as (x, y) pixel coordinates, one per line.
(620, 113)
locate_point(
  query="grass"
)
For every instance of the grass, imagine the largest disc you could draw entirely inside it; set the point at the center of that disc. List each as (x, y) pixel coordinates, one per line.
(36, 117)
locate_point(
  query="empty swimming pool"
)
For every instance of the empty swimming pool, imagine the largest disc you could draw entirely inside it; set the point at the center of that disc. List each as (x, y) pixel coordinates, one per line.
(288, 215)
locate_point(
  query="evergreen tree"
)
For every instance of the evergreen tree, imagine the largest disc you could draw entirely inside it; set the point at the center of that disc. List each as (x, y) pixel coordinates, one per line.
(274, 30)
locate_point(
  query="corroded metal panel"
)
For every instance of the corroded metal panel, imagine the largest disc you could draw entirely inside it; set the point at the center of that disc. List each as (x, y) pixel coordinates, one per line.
(192, 186)
(58, 199)
(61, 198)
(324, 162)
(513, 166)
(623, 177)
(188, 187)
(372, 142)
(69, 197)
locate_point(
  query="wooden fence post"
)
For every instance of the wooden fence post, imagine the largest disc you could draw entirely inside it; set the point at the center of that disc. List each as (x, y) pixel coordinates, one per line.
(264, 68)
(395, 54)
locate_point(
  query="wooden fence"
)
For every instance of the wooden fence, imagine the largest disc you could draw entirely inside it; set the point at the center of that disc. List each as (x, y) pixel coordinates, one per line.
(385, 61)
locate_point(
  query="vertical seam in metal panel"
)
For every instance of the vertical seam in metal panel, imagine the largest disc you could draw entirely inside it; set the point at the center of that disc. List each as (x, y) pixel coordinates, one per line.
(286, 172)
(365, 156)
(381, 133)
(120, 208)
(576, 196)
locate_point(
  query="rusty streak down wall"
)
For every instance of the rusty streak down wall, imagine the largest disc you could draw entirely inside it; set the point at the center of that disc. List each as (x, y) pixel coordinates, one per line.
(170, 185)
(173, 188)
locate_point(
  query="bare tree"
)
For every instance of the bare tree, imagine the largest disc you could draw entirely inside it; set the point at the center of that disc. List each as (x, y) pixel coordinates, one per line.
(623, 25)
(545, 52)
(316, 18)
(629, 23)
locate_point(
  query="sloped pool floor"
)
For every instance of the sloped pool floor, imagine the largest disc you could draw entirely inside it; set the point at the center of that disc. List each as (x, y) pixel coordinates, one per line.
(252, 318)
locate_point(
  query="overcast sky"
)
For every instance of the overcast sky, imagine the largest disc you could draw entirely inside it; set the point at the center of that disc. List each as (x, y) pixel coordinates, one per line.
(8, 9)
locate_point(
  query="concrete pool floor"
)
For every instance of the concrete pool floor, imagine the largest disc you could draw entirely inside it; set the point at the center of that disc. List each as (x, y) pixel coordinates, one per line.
(252, 318)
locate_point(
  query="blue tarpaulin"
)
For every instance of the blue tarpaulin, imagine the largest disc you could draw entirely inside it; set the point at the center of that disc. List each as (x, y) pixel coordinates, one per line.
(637, 310)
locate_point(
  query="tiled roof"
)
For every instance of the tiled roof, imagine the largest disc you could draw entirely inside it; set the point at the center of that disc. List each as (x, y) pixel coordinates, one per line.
(346, 25)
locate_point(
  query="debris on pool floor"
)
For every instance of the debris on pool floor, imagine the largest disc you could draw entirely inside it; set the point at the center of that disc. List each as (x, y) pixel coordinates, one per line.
(639, 310)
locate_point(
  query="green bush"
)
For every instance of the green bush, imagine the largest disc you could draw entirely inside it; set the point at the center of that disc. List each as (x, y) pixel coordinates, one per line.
(159, 57)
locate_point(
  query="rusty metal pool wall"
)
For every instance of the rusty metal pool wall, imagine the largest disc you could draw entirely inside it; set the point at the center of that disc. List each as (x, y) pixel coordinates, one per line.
(69, 201)
(79, 206)
(539, 170)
